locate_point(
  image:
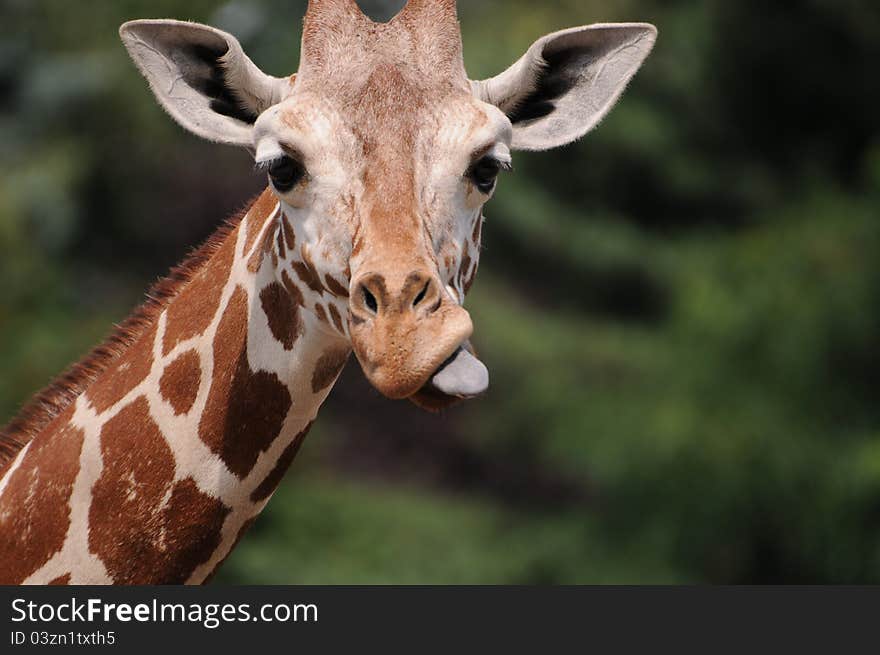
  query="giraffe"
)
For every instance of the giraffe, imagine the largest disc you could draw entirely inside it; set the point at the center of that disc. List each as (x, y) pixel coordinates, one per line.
(146, 462)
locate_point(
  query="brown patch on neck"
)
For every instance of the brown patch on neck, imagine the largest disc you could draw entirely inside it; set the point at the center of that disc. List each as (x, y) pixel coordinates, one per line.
(335, 287)
(336, 318)
(140, 538)
(289, 236)
(61, 580)
(358, 245)
(296, 296)
(180, 382)
(282, 314)
(273, 479)
(465, 279)
(245, 410)
(282, 249)
(259, 211)
(321, 314)
(49, 403)
(306, 271)
(264, 248)
(328, 367)
(34, 506)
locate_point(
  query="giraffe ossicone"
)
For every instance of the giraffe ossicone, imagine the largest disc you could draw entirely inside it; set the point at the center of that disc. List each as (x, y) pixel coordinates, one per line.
(147, 461)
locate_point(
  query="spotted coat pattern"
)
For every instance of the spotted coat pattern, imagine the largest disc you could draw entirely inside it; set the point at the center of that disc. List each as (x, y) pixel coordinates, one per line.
(154, 472)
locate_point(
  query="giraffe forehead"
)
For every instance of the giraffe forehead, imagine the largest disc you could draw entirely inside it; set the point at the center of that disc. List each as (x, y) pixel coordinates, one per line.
(427, 48)
(387, 101)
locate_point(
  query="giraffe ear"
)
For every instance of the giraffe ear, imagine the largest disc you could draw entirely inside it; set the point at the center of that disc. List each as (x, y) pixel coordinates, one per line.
(202, 77)
(567, 82)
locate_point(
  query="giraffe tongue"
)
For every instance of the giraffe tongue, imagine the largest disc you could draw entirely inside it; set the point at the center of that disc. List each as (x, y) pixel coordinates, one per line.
(462, 376)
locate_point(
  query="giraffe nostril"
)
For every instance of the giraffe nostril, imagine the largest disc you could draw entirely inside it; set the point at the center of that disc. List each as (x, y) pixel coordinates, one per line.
(419, 298)
(370, 300)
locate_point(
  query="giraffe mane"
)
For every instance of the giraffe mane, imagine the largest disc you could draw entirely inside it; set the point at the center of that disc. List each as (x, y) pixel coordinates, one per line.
(61, 393)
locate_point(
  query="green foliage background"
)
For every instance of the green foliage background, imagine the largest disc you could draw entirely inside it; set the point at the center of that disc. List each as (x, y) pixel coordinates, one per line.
(680, 313)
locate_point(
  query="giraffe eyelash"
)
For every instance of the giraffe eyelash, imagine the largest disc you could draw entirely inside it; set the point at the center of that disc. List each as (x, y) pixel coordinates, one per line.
(266, 164)
(504, 164)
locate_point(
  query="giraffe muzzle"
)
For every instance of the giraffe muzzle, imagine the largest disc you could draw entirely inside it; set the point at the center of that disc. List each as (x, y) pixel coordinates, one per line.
(411, 339)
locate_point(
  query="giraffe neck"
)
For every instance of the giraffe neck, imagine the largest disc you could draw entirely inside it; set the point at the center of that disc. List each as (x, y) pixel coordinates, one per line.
(158, 467)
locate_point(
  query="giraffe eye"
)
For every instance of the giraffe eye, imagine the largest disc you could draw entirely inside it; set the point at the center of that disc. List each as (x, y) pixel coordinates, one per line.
(285, 173)
(484, 173)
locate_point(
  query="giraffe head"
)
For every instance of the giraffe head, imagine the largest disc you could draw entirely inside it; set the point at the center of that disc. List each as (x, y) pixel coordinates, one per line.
(382, 153)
